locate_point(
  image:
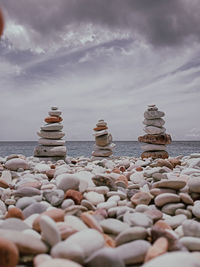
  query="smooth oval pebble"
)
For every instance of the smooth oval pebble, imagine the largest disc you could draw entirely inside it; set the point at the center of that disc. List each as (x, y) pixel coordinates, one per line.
(14, 224)
(113, 226)
(59, 263)
(49, 230)
(175, 221)
(159, 247)
(175, 259)
(106, 257)
(75, 222)
(94, 198)
(9, 254)
(191, 243)
(131, 234)
(138, 219)
(15, 164)
(194, 184)
(67, 181)
(79, 246)
(196, 210)
(166, 198)
(172, 183)
(171, 208)
(133, 252)
(22, 241)
(191, 228)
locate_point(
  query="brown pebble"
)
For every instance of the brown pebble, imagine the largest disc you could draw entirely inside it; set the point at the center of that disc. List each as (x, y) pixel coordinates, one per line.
(3, 184)
(159, 247)
(91, 221)
(50, 173)
(53, 119)
(175, 162)
(9, 254)
(65, 230)
(53, 166)
(122, 181)
(139, 169)
(141, 198)
(14, 213)
(76, 196)
(56, 214)
(122, 168)
(163, 225)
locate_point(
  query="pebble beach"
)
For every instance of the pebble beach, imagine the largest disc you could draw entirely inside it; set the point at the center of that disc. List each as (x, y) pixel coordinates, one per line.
(119, 211)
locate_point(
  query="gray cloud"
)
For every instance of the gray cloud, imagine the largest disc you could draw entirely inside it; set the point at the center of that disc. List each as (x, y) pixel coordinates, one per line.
(160, 22)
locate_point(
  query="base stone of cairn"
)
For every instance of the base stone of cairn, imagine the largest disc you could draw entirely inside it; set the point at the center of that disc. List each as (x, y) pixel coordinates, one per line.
(51, 145)
(155, 138)
(103, 146)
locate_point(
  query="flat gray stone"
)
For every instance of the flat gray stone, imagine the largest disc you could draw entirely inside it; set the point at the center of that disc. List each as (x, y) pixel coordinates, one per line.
(153, 114)
(67, 181)
(154, 130)
(133, 252)
(34, 208)
(113, 226)
(175, 259)
(55, 197)
(16, 163)
(171, 208)
(51, 142)
(52, 127)
(194, 184)
(49, 230)
(27, 192)
(156, 122)
(79, 246)
(25, 243)
(14, 224)
(106, 257)
(191, 228)
(138, 219)
(176, 221)
(50, 151)
(152, 147)
(51, 134)
(131, 234)
(191, 243)
(196, 210)
(24, 202)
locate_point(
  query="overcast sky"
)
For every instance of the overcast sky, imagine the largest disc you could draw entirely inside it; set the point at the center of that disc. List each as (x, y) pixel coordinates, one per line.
(99, 59)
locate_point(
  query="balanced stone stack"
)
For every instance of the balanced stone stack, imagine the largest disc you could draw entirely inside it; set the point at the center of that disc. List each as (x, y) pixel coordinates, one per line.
(104, 145)
(51, 144)
(156, 139)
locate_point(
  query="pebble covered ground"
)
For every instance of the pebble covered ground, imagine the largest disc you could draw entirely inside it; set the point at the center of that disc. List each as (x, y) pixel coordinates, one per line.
(108, 212)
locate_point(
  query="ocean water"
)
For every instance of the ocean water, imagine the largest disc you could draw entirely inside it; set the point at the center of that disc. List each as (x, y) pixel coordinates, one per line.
(84, 148)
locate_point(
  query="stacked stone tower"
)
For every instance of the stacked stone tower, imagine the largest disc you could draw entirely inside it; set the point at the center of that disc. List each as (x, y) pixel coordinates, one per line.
(155, 138)
(104, 146)
(51, 144)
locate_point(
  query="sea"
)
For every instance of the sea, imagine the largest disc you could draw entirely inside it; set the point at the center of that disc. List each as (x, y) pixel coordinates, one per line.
(84, 148)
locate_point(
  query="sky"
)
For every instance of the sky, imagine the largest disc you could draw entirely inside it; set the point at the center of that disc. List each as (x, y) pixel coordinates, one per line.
(99, 59)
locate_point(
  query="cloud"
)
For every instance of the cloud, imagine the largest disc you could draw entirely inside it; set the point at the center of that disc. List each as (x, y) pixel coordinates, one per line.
(161, 23)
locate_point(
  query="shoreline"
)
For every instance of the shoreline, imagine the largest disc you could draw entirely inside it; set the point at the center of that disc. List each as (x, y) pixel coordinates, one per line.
(119, 210)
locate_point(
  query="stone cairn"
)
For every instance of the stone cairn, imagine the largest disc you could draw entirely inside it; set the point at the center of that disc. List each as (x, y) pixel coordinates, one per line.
(156, 139)
(104, 145)
(51, 144)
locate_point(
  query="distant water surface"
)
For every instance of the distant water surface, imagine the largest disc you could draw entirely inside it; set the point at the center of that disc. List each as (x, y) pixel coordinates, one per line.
(84, 148)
